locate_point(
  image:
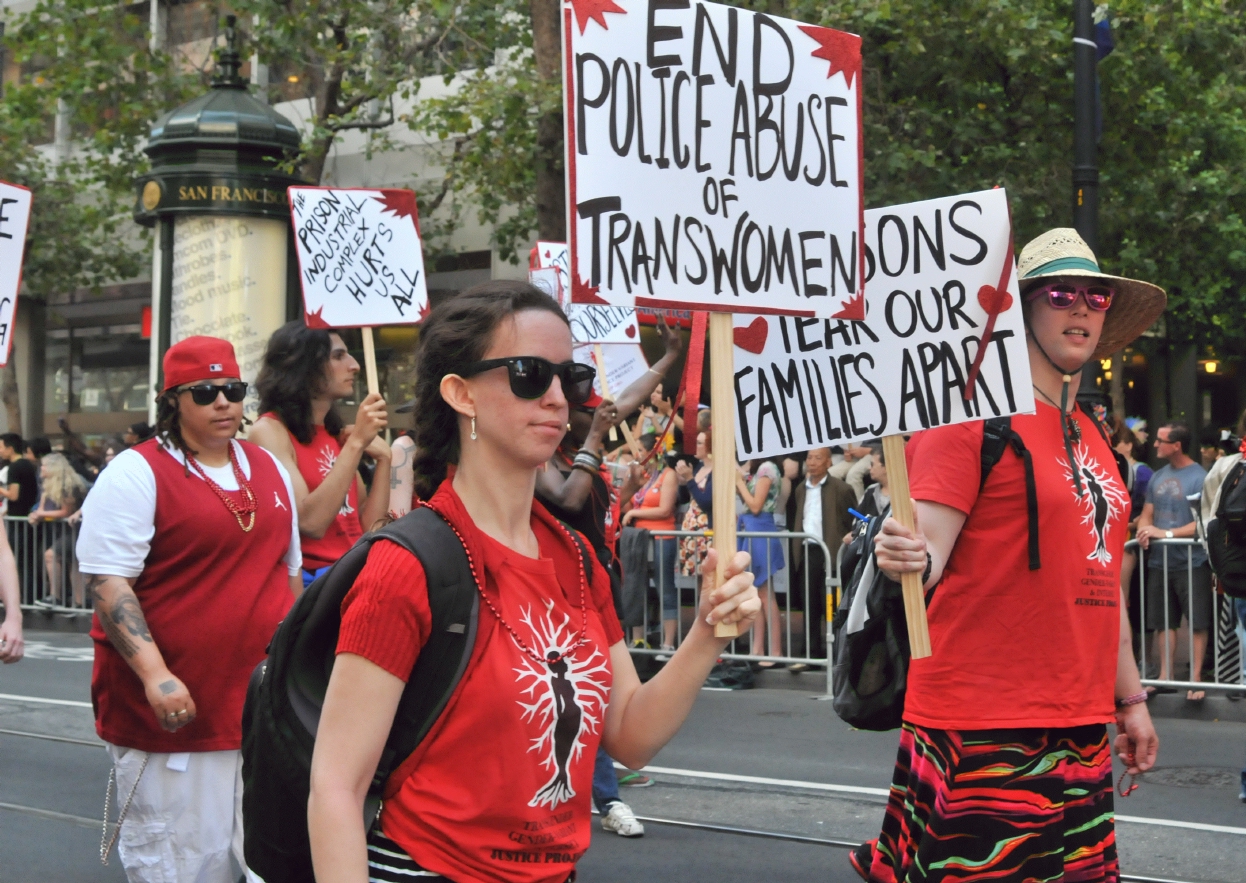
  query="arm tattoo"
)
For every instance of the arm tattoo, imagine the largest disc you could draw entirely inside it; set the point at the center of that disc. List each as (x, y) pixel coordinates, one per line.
(123, 621)
(394, 480)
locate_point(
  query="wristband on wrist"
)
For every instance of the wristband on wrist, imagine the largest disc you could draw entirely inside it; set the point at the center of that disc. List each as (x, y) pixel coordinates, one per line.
(1135, 699)
(929, 568)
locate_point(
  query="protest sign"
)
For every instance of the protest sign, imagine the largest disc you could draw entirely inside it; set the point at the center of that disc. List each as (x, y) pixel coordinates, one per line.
(693, 131)
(15, 202)
(625, 363)
(931, 268)
(361, 262)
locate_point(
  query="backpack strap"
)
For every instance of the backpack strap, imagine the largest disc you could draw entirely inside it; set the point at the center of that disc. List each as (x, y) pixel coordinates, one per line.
(455, 606)
(997, 436)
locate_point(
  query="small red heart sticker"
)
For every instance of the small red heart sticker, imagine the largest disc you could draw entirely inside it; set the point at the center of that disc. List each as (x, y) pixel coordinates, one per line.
(752, 338)
(547, 252)
(993, 300)
(631, 331)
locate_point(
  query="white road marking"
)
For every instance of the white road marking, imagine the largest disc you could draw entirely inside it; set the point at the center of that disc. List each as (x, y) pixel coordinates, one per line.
(44, 650)
(884, 792)
(43, 701)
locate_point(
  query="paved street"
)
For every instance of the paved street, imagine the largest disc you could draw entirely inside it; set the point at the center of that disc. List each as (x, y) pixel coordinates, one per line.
(769, 760)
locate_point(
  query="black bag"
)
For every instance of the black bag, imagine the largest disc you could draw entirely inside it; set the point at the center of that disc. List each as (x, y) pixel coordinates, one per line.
(287, 690)
(1226, 533)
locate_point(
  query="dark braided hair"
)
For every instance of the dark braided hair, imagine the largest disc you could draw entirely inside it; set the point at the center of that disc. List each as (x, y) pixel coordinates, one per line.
(293, 371)
(168, 425)
(457, 333)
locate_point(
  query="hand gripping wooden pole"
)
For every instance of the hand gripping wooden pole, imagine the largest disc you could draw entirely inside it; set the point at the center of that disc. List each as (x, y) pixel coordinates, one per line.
(722, 394)
(600, 358)
(369, 360)
(902, 510)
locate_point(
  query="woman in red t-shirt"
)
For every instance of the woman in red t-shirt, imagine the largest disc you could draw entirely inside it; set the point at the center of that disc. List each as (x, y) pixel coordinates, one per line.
(1004, 769)
(500, 787)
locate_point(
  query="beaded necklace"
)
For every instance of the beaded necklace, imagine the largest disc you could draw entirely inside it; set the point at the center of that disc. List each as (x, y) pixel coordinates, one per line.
(552, 658)
(249, 505)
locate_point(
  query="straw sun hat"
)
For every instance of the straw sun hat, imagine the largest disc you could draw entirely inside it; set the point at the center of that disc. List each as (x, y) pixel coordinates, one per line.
(1063, 253)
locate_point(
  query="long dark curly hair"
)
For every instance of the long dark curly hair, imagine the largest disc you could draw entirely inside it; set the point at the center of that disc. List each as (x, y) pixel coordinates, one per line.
(455, 334)
(293, 372)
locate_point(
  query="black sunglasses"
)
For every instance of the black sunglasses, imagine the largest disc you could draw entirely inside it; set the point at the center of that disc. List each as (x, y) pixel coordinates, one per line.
(205, 393)
(530, 376)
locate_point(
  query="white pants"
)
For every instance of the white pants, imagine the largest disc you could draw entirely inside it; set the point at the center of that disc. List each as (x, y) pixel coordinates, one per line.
(185, 822)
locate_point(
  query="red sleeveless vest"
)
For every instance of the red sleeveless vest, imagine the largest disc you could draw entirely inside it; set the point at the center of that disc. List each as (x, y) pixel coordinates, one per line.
(212, 596)
(315, 460)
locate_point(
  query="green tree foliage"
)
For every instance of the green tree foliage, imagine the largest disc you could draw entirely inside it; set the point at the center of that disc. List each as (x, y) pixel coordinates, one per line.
(979, 93)
(90, 64)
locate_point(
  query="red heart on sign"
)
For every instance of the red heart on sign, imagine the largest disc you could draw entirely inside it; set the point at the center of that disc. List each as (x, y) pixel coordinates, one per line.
(993, 300)
(752, 338)
(547, 252)
(631, 331)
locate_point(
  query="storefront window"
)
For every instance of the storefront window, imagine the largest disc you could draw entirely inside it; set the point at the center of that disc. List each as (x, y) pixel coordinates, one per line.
(96, 370)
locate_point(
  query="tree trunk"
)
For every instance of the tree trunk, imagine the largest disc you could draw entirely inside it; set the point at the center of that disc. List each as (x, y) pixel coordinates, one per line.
(9, 395)
(1117, 386)
(551, 194)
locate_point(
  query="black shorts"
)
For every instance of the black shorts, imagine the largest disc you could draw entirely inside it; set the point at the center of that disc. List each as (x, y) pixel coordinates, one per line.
(1177, 600)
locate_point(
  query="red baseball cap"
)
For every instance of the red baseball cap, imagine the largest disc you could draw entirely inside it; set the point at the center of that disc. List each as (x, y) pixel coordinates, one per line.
(199, 358)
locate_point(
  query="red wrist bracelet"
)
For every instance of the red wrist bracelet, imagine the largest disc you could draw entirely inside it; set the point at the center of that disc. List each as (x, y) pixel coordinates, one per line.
(1135, 699)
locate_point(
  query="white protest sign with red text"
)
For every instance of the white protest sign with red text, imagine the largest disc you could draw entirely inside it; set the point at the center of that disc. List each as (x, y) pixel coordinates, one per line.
(932, 270)
(15, 202)
(714, 159)
(361, 261)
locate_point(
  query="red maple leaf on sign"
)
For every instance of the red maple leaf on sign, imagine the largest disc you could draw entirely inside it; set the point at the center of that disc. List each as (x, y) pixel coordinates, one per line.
(315, 320)
(583, 293)
(841, 49)
(399, 202)
(424, 311)
(595, 10)
(853, 308)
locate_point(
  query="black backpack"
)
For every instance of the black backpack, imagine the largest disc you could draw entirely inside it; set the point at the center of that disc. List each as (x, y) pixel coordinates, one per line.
(869, 666)
(287, 690)
(1226, 533)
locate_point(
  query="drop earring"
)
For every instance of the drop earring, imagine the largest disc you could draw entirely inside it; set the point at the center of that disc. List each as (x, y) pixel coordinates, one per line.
(568, 427)
(473, 428)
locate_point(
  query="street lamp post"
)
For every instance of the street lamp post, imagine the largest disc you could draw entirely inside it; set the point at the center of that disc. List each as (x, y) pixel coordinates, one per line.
(218, 197)
(1085, 163)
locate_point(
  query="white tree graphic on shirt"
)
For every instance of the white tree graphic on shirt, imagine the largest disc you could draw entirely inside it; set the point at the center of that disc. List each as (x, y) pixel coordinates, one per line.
(1103, 498)
(568, 699)
(325, 460)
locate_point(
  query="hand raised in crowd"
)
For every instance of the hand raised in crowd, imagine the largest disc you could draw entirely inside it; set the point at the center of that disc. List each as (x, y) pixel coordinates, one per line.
(671, 340)
(634, 481)
(370, 420)
(170, 701)
(605, 415)
(683, 471)
(1136, 742)
(899, 550)
(736, 600)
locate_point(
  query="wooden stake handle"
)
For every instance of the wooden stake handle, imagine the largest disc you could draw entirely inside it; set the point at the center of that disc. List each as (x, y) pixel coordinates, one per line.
(369, 361)
(902, 510)
(722, 393)
(600, 358)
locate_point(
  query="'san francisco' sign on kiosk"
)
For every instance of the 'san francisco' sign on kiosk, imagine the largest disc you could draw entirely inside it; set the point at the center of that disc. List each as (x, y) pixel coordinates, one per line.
(713, 159)
(932, 269)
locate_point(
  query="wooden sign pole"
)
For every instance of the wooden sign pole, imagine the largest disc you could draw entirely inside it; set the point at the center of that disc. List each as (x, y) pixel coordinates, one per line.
(600, 358)
(902, 509)
(722, 394)
(369, 360)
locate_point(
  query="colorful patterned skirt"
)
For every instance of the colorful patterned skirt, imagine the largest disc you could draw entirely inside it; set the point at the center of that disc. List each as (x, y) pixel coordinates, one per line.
(999, 805)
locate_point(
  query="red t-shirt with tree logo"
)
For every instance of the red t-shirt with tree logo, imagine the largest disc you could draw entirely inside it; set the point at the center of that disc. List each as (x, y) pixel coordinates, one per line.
(501, 787)
(1014, 647)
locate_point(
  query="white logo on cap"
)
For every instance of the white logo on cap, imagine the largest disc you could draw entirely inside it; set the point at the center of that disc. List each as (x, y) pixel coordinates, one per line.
(216, 367)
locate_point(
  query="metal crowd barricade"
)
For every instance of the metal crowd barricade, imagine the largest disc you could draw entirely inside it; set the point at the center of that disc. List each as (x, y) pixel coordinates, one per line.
(1226, 665)
(47, 565)
(790, 638)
